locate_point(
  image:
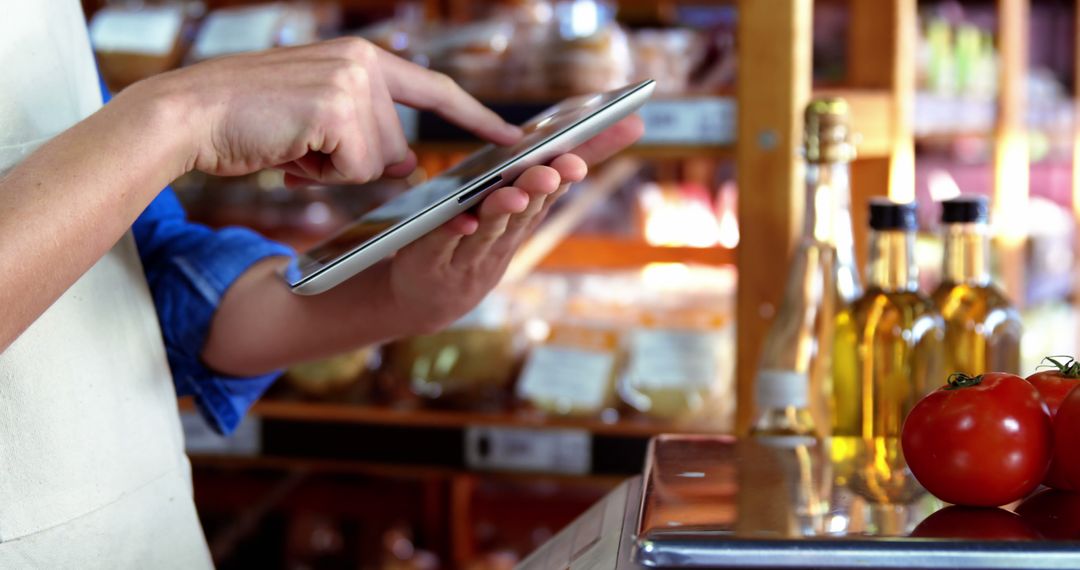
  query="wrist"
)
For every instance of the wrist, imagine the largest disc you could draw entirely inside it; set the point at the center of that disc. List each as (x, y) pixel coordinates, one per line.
(167, 114)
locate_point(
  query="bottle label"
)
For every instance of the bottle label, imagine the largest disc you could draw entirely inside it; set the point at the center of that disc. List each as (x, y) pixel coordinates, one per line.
(569, 378)
(781, 389)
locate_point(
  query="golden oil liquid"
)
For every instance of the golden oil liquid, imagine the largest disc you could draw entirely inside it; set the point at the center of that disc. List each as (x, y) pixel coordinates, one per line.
(887, 357)
(982, 330)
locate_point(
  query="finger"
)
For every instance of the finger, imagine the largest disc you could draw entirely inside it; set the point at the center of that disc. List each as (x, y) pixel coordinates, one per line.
(437, 248)
(613, 139)
(494, 214)
(548, 201)
(403, 168)
(571, 167)
(394, 147)
(422, 88)
(538, 182)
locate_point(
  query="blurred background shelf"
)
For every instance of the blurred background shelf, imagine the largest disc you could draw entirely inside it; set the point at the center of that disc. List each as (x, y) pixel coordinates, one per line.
(327, 412)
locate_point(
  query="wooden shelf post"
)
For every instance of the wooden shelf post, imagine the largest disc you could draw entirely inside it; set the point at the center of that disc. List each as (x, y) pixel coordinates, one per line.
(881, 56)
(1011, 176)
(775, 44)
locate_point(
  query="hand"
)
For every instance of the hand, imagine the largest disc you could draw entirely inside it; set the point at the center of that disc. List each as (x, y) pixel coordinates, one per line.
(322, 112)
(261, 326)
(438, 278)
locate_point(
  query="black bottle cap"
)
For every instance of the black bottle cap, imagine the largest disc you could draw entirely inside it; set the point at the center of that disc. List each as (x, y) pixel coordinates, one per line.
(965, 210)
(887, 215)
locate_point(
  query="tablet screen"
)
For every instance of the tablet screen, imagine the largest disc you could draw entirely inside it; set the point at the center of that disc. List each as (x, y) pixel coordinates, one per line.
(482, 163)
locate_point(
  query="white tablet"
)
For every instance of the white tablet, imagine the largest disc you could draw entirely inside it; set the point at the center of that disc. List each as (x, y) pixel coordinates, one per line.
(421, 209)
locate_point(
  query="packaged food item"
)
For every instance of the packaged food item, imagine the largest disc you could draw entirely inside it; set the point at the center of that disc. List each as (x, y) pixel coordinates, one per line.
(668, 56)
(680, 357)
(242, 29)
(470, 364)
(573, 373)
(338, 376)
(679, 365)
(589, 63)
(135, 41)
(472, 54)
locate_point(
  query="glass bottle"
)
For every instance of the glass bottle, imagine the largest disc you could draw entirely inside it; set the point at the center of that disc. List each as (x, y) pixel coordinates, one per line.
(793, 378)
(982, 330)
(889, 341)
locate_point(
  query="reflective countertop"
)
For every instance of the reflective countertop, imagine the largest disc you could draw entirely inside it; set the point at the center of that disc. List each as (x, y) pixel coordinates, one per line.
(842, 502)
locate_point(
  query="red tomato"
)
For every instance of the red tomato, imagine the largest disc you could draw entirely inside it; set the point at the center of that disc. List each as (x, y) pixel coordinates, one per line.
(1067, 438)
(1053, 386)
(975, 523)
(1055, 514)
(983, 441)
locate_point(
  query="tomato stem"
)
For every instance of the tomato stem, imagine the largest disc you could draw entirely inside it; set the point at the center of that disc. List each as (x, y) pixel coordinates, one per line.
(1069, 368)
(959, 380)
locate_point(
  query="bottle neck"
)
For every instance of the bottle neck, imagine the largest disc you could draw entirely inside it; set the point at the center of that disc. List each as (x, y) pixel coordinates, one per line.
(828, 203)
(892, 261)
(967, 254)
(828, 220)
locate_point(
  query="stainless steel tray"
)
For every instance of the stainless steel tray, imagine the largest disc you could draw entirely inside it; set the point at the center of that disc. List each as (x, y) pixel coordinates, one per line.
(712, 502)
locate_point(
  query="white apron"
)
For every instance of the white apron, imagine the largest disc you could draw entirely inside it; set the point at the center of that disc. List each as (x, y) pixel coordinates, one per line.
(92, 465)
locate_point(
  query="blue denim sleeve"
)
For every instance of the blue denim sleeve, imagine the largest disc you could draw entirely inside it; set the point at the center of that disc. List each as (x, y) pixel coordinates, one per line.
(189, 267)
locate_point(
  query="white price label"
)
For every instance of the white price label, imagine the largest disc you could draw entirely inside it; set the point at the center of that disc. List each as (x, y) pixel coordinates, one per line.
(236, 30)
(200, 438)
(566, 451)
(689, 121)
(669, 358)
(570, 378)
(148, 31)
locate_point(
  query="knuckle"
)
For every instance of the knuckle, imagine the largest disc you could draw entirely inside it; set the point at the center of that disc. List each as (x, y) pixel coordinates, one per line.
(358, 49)
(445, 82)
(349, 76)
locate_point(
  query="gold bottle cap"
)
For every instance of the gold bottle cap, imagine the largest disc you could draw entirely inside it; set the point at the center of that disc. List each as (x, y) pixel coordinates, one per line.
(827, 136)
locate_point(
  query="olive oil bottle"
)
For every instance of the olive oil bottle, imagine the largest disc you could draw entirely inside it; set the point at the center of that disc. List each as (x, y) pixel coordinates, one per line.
(982, 330)
(794, 373)
(887, 352)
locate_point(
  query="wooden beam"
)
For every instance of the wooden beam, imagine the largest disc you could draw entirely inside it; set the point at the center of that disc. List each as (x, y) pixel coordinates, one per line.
(775, 45)
(881, 48)
(1011, 177)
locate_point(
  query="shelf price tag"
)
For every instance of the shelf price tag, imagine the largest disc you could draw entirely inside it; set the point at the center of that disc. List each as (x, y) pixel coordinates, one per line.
(567, 451)
(200, 438)
(704, 120)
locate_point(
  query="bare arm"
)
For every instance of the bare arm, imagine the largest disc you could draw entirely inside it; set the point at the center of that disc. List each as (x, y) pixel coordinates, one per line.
(260, 325)
(322, 112)
(64, 206)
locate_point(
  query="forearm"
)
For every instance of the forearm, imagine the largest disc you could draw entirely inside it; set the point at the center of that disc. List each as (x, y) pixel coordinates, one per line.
(261, 325)
(63, 207)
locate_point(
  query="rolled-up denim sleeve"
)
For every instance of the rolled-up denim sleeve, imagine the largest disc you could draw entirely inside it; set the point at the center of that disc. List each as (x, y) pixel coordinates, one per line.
(189, 268)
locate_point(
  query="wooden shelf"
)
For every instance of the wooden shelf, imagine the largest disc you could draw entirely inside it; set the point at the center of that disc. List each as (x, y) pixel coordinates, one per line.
(587, 252)
(330, 412)
(325, 412)
(385, 470)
